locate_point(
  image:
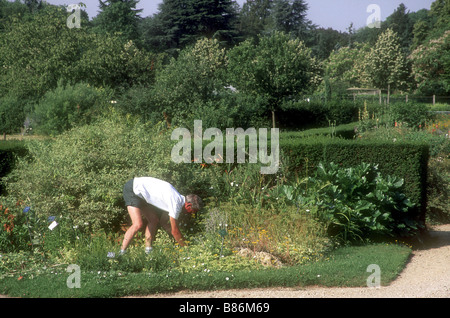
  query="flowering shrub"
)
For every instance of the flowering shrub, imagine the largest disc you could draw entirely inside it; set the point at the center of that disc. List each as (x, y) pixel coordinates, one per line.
(13, 232)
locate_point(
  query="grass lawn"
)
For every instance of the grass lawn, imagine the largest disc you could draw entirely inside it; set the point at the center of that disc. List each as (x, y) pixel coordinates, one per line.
(346, 267)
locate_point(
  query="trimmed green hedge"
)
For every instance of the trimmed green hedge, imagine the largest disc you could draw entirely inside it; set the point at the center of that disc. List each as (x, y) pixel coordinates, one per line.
(405, 160)
(346, 131)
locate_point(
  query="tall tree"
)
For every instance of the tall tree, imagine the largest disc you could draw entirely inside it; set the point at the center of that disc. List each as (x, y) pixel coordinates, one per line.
(118, 16)
(289, 16)
(277, 67)
(431, 66)
(179, 23)
(328, 40)
(400, 22)
(33, 5)
(194, 77)
(386, 63)
(254, 17)
(261, 17)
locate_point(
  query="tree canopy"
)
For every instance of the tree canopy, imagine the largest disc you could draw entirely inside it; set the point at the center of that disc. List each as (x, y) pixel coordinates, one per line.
(207, 58)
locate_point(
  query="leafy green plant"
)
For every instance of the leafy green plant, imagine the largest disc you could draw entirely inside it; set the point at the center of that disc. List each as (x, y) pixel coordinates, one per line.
(414, 115)
(68, 106)
(13, 232)
(356, 203)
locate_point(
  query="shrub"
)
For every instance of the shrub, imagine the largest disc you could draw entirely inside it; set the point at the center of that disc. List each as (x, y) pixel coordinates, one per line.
(13, 233)
(12, 113)
(407, 160)
(356, 202)
(68, 106)
(82, 172)
(414, 115)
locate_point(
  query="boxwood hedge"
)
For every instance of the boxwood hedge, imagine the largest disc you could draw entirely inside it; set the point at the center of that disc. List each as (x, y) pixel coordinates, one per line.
(407, 160)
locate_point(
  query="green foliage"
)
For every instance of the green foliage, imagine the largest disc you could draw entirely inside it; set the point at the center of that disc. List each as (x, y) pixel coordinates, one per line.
(195, 77)
(356, 203)
(277, 66)
(117, 16)
(82, 172)
(13, 234)
(37, 52)
(346, 266)
(12, 113)
(178, 25)
(68, 106)
(431, 66)
(415, 115)
(404, 159)
(344, 68)
(386, 63)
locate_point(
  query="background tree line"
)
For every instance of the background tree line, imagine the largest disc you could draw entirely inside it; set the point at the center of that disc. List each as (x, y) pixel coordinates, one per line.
(204, 59)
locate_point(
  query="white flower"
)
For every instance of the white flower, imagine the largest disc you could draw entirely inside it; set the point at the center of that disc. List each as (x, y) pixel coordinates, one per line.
(227, 278)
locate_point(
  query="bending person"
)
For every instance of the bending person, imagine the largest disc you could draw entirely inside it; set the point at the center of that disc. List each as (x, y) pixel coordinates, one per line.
(161, 204)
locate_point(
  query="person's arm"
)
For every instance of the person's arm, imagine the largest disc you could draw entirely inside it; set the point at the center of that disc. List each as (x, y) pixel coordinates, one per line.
(176, 232)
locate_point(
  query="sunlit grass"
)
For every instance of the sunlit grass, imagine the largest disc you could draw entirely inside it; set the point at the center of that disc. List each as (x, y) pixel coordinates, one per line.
(345, 266)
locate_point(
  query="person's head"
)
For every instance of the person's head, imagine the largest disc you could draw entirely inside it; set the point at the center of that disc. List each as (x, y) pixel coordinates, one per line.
(193, 203)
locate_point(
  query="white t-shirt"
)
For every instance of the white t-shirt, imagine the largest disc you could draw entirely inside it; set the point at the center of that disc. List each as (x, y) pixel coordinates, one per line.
(160, 194)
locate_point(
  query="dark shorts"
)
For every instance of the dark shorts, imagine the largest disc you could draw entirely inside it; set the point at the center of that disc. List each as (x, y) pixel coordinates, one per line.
(131, 199)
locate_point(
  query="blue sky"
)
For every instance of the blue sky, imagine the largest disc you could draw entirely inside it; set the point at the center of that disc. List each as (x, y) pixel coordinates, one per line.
(336, 14)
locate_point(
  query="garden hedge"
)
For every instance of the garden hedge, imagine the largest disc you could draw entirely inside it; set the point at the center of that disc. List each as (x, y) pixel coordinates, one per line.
(407, 160)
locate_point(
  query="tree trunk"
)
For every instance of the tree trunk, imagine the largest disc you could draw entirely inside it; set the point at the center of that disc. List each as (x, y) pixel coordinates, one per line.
(273, 119)
(389, 93)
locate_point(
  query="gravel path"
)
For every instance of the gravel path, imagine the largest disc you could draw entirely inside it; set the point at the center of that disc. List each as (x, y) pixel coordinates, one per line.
(427, 275)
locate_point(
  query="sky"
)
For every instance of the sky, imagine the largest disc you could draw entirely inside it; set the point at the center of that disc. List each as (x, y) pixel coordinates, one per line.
(336, 14)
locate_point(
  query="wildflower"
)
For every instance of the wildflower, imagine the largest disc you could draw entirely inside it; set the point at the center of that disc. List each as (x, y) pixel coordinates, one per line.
(27, 208)
(51, 218)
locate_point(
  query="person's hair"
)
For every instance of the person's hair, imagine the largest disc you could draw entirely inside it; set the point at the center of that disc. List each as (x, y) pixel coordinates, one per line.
(195, 201)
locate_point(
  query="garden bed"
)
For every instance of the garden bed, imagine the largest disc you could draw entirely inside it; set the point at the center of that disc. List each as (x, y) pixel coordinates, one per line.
(343, 267)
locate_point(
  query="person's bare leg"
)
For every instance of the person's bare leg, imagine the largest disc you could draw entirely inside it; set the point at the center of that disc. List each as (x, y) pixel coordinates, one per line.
(164, 222)
(136, 225)
(152, 226)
